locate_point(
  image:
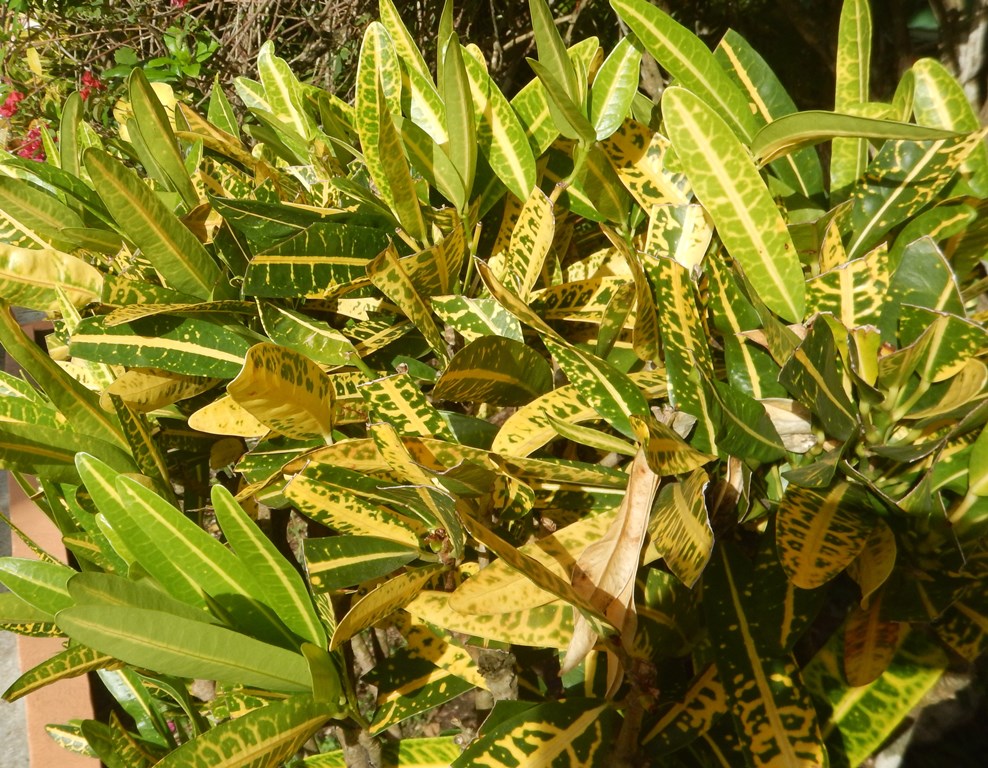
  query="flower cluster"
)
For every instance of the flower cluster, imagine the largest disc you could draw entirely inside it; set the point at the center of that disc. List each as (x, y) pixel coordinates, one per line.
(9, 107)
(32, 147)
(90, 83)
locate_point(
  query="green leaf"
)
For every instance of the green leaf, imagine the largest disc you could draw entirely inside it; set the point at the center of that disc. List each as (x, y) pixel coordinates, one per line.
(346, 561)
(614, 87)
(40, 584)
(566, 113)
(801, 170)
(690, 63)
(157, 134)
(805, 129)
(286, 391)
(772, 710)
(552, 50)
(460, 125)
(41, 217)
(190, 345)
(437, 752)
(692, 714)
(576, 732)
(176, 254)
(729, 186)
(177, 646)
(496, 370)
(278, 580)
(317, 339)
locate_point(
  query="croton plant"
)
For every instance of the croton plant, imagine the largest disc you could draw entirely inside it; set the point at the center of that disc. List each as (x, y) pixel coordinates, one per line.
(565, 429)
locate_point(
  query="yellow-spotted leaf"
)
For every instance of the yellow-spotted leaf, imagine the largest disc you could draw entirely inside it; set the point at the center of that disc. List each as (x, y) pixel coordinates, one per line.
(398, 401)
(850, 156)
(500, 135)
(667, 453)
(531, 240)
(820, 531)
(31, 278)
(643, 162)
(692, 715)
(939, 100)
(390, 276)
(438, 752)
(728, 184)
(474, 318)
(72, 662)
(613, 394)
(496, 370)
(546, 626)
(410, 687)
(875, 562)
(680, 529)
(382, 601)
(266, 736)
(861, 719)
(147, 389)
(286, 391)
(572, 733)
(854, 292)
(346, 561)
(181, 260)
(772, 709)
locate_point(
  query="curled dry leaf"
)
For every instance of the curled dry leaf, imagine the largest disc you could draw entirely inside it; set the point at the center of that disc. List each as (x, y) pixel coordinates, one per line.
(605, 573)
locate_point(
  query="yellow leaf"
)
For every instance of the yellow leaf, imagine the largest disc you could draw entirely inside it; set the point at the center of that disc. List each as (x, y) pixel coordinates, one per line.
(224, 416)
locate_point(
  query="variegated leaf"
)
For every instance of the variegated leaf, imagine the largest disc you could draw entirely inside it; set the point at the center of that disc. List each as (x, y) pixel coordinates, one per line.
(345, 561)
(850, 156)
(496, 370)
(531, 240)
(643, 163)
(870, 644)
(72, 662)
(680, 530)
(692, 715)
(820, 531)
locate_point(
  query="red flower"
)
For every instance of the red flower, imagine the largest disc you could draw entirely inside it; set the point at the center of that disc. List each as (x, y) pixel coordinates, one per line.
(9, 106)
(32, 148)
(90, 83)
(179, 3)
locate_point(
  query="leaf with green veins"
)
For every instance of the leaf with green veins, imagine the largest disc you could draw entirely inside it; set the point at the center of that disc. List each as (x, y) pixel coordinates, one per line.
(382, 601)
(729, 186)
(398, 401)
(72, 662)
(476, 318)
(531, 241)
(531, 104)
(690, 715)
(278, 579)
(41, 217)
(611, 393)
(32, 277)
(496, 370)
(771, 707)
(424, 106)
(950, 341)
(667, 453)
(346, 561)
(801, 170)
(903, 178)
(284, 390)
(939, 100)
(680, 529)
(378, 76)
(176, 254)
(814, 376)
(614, 86)
(938, 223)
(850, 156)
(684, 347)
(820, 532)
(389, 275)
(405, 47)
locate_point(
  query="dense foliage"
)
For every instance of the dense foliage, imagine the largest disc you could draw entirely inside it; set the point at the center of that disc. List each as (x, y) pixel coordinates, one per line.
(637, 424)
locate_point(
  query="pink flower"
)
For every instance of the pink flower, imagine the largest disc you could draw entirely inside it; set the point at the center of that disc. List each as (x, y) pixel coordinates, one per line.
(9, 106)
(179, 3)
